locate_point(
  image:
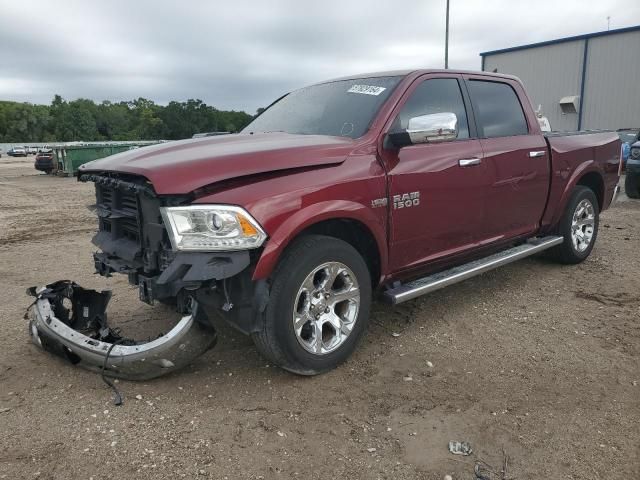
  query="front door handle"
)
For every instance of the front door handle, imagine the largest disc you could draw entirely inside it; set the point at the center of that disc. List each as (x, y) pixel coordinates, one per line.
(537, 153)
(469, 162)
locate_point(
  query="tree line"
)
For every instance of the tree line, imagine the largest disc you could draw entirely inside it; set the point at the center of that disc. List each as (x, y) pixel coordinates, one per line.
(140, 119)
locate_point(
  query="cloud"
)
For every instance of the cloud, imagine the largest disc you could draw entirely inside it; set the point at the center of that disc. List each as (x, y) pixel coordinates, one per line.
(242, 55)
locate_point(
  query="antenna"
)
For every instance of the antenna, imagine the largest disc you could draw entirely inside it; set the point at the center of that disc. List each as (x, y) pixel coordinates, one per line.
(608, 22)
(446, 41)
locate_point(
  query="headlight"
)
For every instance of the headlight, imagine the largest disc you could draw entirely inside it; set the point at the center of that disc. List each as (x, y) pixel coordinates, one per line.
(212, 228)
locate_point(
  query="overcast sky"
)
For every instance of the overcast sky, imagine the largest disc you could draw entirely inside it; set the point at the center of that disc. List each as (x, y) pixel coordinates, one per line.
(243, 54)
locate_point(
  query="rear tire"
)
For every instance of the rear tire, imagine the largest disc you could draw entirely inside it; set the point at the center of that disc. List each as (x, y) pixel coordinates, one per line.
(578, 226)
(318, 308)
(632, 185)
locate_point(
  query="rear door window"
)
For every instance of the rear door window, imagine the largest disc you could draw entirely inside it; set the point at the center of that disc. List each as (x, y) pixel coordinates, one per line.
(497, 109)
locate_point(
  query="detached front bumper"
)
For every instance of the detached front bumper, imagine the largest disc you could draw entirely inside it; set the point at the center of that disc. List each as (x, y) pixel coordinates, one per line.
(84, 338)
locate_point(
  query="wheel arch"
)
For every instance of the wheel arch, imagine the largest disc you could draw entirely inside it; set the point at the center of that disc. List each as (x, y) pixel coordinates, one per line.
(356, 234)
(588, 175)
(347, 221)
(594, 181)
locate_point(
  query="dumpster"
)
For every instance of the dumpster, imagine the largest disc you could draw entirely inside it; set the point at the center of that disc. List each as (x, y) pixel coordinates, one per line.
(68, 157)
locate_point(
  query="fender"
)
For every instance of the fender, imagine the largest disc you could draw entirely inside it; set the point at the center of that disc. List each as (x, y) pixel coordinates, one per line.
(312, 214)
(560, 198)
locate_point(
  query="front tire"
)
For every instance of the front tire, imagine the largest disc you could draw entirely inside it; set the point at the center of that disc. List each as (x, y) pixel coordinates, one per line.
(319, 306)
(579, 227)
(632, 185)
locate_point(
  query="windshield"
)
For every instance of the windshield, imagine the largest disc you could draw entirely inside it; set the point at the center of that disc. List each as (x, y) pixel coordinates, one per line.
(629, 136)
(343, 108)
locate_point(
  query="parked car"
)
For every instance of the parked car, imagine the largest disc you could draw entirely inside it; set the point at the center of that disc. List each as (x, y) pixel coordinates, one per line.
(632, 180)
(628, 136)
(44, 161)
(393, 184)
(17, 152)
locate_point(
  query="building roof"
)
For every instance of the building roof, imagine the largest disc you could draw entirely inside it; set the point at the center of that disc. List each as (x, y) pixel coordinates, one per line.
(562, 40)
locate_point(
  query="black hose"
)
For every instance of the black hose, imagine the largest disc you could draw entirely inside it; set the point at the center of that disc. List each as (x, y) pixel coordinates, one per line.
(118, 399)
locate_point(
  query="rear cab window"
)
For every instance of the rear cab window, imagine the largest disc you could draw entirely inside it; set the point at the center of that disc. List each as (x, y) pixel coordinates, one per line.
(497, 109)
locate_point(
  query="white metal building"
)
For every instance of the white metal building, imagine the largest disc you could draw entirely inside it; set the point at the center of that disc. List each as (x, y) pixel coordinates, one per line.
(585, 82)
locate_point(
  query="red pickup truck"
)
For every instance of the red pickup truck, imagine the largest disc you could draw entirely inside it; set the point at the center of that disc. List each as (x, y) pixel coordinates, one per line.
(393, 184)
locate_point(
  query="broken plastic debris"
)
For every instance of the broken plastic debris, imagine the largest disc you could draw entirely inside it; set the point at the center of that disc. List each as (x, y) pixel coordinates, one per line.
(89, 342)
(460, 448)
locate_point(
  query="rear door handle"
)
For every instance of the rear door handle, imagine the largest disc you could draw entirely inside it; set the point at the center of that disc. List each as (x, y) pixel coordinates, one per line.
(537, 153)
(469, 162)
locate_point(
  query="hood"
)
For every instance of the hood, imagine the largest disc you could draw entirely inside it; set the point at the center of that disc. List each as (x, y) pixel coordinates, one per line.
(181, 167)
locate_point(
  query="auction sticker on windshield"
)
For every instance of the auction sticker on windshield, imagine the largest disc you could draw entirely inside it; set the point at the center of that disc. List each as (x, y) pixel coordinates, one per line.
(366, 89)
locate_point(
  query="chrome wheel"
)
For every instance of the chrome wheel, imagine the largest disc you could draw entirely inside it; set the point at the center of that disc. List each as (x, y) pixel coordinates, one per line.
(326, 308)
(583, 225)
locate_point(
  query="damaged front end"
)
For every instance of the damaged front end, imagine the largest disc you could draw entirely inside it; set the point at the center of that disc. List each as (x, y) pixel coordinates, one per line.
(71, 322)
(133, 239)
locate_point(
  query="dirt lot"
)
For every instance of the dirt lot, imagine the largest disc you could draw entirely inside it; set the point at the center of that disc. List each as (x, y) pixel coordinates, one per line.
(538, 361)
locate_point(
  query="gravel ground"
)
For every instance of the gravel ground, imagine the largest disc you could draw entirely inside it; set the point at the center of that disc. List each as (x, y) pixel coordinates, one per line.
(535, 361)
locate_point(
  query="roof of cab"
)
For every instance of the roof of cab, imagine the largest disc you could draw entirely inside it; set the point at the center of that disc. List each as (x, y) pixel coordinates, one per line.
(418, 72)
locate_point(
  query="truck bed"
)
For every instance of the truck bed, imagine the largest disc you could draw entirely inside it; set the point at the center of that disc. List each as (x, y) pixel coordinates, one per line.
(573, 154)
(573, 134)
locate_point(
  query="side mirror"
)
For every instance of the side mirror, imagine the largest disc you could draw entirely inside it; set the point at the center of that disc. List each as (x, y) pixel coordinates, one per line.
(432, 128)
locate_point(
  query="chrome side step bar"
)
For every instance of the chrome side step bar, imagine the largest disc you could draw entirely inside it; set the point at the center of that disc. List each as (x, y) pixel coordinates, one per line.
(422, 286)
